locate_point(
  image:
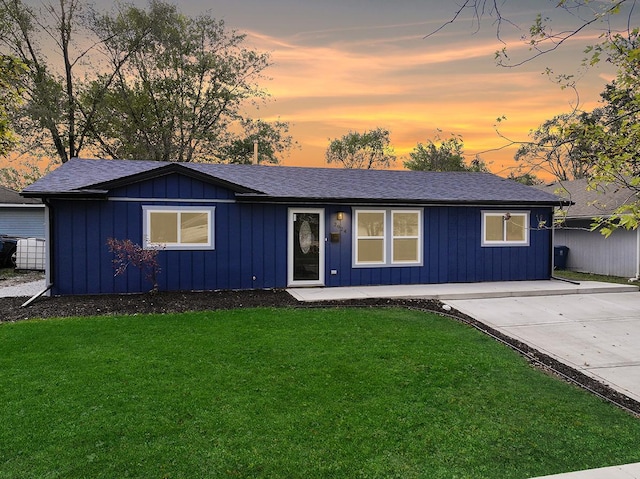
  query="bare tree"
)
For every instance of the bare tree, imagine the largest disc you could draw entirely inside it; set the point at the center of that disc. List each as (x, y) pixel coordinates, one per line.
(51, 88)
(540, 35)
(138, 83)
(556, 149)
(11, 72)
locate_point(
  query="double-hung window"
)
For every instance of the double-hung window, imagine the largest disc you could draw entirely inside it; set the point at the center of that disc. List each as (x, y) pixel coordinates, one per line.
(370, 236)
(387, 237)
(178, 227)
(405, 246)
(505, 228)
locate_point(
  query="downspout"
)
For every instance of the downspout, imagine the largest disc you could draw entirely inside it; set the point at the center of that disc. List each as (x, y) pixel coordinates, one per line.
(637, 276)
(48, 238)
(553, 241)
(48, 264)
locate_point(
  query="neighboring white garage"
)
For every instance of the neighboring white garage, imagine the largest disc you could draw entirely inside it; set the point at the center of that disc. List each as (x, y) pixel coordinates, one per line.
(590, 251)
(21, 217)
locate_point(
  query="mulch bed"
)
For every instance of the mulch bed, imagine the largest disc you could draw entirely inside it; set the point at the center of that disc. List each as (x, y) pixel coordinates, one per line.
(121, 304)
(178, 302)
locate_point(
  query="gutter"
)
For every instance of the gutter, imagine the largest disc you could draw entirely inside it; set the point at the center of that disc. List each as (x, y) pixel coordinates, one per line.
(88, 193)
(21, 205)
(263, 198)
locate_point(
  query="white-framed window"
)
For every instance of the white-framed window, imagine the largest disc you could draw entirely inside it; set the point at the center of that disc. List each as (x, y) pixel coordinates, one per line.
(370, 236)
(505, 228)
(178, 227)
(387, 237)
(406, 240)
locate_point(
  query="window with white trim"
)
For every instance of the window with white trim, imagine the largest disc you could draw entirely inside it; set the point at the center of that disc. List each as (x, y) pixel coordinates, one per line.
(370, 234)
(405, 244)
(505, 228)
(387, 237)
(172, 227)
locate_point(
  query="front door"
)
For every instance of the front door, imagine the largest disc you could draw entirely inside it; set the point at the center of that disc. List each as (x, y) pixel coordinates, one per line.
(306, 247)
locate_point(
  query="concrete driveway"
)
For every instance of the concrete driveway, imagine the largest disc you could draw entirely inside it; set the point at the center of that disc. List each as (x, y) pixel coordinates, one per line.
(596, 334)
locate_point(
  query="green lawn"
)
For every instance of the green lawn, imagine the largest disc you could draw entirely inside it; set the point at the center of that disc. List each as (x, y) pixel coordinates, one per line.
(340, 393)
(576, 276)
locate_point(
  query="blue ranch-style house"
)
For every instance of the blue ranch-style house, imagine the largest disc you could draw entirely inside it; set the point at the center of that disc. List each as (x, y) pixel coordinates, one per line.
(221, 226)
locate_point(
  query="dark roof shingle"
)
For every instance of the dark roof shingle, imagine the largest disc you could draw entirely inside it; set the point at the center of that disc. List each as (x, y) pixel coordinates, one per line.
(11, 197)
(591, 203)
(288, 182)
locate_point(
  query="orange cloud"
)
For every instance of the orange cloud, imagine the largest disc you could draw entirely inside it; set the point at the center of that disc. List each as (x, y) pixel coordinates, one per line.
(411, 87)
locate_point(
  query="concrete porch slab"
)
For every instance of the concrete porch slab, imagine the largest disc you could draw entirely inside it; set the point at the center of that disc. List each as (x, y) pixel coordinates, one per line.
(451, 291)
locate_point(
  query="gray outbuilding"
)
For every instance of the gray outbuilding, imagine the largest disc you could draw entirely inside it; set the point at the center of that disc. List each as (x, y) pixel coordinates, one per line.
(21, 217)
(590, 251)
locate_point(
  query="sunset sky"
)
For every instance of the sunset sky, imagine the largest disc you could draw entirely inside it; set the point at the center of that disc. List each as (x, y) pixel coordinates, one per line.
(355, 65)
(341, 65)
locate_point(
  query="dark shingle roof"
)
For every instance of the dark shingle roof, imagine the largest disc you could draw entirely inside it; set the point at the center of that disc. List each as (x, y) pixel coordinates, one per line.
(85, 177)
(590, 203)
(10, 197)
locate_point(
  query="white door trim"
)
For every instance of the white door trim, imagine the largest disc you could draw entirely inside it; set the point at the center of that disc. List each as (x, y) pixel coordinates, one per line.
(290, 247)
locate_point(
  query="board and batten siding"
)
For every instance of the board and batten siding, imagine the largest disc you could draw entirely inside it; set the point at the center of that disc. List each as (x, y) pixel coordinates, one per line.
(251, 244)
(452, 251)
(591, 252)
(250, 241)
(22, 221)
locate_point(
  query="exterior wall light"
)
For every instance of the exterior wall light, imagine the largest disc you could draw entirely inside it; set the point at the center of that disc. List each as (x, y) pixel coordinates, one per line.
(340, 215)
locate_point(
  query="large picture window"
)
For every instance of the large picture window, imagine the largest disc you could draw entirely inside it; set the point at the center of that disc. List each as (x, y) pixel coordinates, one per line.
(387, 237)
(504, 228)
(178, 227)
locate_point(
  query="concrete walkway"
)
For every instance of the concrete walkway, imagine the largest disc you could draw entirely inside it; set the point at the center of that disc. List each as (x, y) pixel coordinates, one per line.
(29, 289)
(628, 471)
(593, 327)
(500, 289)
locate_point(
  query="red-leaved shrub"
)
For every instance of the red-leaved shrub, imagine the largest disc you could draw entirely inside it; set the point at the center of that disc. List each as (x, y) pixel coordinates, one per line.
(129, 253)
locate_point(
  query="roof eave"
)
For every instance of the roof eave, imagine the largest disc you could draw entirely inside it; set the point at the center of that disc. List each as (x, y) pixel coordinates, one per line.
(21, 205)
(587, 217)
(440, 202)
(91, 193)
